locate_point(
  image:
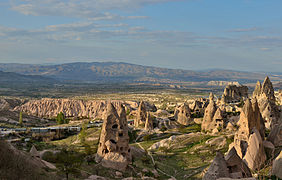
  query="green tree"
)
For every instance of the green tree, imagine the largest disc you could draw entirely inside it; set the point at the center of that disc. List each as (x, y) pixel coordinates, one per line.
(68, 162)
(82, 134)
(61, 118)
(21, 119)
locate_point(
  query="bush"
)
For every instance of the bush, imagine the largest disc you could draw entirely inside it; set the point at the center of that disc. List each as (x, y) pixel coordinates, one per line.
(49, 156)
(147, 137)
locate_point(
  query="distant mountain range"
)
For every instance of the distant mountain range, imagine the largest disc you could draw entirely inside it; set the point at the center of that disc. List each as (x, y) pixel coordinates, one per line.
(15, 78)
(109, 72)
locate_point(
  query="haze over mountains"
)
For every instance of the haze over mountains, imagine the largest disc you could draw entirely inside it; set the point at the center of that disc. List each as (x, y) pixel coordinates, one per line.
(109, 72)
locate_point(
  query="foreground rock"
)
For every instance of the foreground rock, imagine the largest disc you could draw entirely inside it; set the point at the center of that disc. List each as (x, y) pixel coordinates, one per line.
(15, 164)
(218, 168)
(230, 166)
(236, 166)
(113, 149)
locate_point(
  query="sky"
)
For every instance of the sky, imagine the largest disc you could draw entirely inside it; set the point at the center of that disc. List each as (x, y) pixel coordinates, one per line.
(244, 35)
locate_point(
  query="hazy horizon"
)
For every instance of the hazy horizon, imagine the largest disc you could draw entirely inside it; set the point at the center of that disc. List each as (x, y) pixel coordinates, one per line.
(238, 35)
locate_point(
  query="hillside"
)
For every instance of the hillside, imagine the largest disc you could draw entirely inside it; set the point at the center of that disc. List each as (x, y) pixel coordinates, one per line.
(124, 72)
(14, 78)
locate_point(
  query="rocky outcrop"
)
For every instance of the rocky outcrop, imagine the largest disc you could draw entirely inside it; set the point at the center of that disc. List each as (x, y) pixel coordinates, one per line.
(196, 106)
(237, 167)
(209, 114)
(255, 155)
(218, 168)
(233, 93)
(141, 115)
(277, 166)
(266, 101)
(247, 122)
(230, 167)
(113, 149)
(33, 151)
(223, 83)
(50, 108)
(183, 114)
(275, 135)
(149, 122)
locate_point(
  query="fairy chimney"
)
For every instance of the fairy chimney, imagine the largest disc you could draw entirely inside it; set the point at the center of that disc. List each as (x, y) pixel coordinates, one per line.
(183, 114)
(141, 115)
(113, 149)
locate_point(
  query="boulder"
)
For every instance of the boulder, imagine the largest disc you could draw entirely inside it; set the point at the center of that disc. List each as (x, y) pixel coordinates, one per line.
(115, 161)
(269, 149)
(275, 136)
(218, 142)
(95, 177)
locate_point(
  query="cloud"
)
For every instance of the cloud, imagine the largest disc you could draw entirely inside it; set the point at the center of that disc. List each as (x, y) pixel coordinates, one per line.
(244, 30)
(79, 8)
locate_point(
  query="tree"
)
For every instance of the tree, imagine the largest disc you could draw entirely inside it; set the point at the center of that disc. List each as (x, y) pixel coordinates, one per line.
(21, 119)
(61, 119)
(69, 162)
(82, 134)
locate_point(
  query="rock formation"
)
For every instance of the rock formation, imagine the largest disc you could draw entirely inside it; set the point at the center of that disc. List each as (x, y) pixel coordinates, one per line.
(113, 149)
(237, 167)
(183, 114)
(248, 120)
(149, 122)
(218, 168)
(277, 166)
(50, 108)
(141, 115)
(266, 101)
(196, 106)
(33, 151)
(275, 135)
(209, 114)
(255, 155)
(218, 121)
(233, 93)
(230, 166)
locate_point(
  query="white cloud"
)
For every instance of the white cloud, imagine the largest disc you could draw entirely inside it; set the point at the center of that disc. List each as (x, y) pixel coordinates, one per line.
(244, 30)
(79, 8)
